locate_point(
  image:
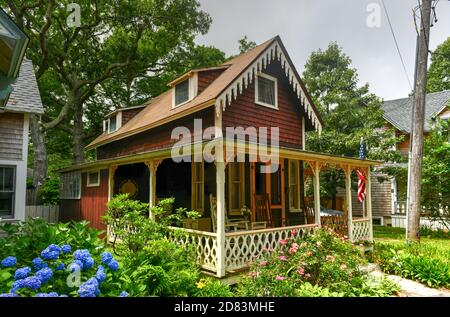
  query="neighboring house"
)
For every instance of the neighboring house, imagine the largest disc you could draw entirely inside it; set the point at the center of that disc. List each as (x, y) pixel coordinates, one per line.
(137, 154)
(390, 195)
(18, 99)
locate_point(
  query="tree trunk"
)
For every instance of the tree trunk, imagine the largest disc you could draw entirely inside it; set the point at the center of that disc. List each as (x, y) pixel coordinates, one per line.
(78, 144)
(414, 190)
(40, 153)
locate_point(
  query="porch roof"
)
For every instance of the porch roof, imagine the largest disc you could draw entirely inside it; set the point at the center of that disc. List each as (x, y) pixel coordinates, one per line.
(288, 153)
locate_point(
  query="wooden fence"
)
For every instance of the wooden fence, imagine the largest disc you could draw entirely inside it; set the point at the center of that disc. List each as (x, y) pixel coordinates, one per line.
(48, 213)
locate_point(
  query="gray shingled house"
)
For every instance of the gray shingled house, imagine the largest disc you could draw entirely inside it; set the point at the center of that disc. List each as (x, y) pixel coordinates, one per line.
(15, 112)
(389, 197)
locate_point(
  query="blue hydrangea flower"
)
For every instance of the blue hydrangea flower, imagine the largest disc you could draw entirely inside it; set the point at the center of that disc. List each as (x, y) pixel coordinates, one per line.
(100, 275)
(89, 288)
(66, 248)
(39, 264)
(51, 294)
(54, 248)
(9, 261)
(22, 273)
(106, 257)
(44, 275)
(60, 267)
(9, 295)
(32, 282)
(123, 294)
(113, 265)
(88, 263)
(75, 266)
(63, 295)
(49, 255)
(85, 257)
(17, 285)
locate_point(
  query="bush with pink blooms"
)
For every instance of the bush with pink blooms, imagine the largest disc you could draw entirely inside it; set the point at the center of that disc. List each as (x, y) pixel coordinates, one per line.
(324, 263)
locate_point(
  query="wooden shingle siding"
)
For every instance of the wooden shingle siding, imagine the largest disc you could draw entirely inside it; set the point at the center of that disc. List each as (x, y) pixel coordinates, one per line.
(244, 112)
(11, 136)
(127, 115)
(205, 78)
(154, 139)
(94, 200)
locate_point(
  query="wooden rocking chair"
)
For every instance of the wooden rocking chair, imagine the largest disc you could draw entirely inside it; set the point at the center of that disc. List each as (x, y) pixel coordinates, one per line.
(262, 210)
(310, 216)
(230, 224)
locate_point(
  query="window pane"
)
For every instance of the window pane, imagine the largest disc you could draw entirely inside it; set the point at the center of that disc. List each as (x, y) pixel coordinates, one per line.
(235, 193)
(6, 204)
(182, 92)
(93, 178)
(112, 124)
(266, 90)
(9, 179)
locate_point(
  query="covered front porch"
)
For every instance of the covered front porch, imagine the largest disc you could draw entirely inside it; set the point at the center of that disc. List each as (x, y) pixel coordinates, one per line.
(246, 211)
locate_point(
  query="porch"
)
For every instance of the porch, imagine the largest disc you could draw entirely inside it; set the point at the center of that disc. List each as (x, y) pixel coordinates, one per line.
(245, 212)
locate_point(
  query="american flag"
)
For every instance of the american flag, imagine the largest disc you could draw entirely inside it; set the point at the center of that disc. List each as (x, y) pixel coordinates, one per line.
(361, 177)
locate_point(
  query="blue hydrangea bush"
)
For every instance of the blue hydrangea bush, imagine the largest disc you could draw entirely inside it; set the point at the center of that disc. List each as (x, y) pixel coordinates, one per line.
(59, 272)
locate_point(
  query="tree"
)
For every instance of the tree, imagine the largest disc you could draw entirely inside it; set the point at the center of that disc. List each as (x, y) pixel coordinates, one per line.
(439, 71)
(245, 45)
(138, 38)
(349, 113)
(436, 173)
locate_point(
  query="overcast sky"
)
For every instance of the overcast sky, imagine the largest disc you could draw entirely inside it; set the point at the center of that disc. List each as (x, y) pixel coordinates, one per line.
(307, 25)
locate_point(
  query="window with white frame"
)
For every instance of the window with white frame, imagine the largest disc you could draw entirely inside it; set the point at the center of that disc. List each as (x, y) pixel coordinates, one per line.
(198, 188)
(184, 91)
(7, 191)
(236, 189)
(113, 123)
(266, 92)
(71, 185)
(294, 186)
(93, 179)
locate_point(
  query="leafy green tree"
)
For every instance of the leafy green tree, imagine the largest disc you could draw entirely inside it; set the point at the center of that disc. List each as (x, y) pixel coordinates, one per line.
(349, 113)
(439, 71)
(246, 45)
(436, 172)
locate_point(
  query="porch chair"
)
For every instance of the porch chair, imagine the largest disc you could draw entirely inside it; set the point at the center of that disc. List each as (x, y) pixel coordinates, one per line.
(230, 224)
(310, 216)
(262, 211)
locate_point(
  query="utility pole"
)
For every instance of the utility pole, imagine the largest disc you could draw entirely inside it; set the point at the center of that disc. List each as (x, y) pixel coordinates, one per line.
(416, 139)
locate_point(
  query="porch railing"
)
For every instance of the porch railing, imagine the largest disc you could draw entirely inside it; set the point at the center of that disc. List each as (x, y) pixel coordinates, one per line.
(361, 229)
(243, 247)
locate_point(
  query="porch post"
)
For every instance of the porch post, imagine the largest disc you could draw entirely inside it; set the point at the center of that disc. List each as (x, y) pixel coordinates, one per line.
(152, 167)
(316, 181)
(369, 202)
(112, 171)
(348, 198)
(220, 191)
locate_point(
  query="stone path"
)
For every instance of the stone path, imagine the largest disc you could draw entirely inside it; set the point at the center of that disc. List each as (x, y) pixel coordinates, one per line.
(408, 288)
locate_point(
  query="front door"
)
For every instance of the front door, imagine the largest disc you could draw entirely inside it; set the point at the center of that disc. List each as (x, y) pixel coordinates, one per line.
(271, 184)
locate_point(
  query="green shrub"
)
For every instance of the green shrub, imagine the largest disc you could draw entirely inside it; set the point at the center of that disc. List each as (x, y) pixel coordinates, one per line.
(323, 259)
(49, 191)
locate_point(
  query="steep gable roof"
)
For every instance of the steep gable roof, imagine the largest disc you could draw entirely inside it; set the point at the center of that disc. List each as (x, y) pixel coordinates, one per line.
(238, 72)
(398, 111)
(25, 97)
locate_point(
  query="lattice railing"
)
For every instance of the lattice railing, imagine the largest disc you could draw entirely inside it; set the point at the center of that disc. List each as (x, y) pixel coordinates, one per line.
(243, 247)
(361, 230)
(204, 244)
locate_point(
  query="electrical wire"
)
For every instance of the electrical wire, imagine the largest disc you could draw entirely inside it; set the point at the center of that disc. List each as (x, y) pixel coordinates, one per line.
(396, 44)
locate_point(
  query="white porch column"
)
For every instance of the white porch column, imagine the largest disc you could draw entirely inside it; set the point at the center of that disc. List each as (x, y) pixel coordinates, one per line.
(369, 202)
(348, 198)
(316, 183)
(152, 167)
(220, 191)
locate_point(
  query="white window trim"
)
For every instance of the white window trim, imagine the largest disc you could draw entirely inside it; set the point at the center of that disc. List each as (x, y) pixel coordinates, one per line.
(193, 90)
(380, 218)
(14, 191)
(297, 176)
(118, 116)
(194, 172)
(257, 91)
(231, 211)
(96, 184)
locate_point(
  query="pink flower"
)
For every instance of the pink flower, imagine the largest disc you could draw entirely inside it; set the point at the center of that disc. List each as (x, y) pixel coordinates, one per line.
(252, 274)
(292, 250)
(282, 258)
(345, 237)
(330, 258)
(301, 271)
(319, 243)
(280, 278)
(263, 263)
(283, 242)
(294, 232)
(307, 275)
(343, 266)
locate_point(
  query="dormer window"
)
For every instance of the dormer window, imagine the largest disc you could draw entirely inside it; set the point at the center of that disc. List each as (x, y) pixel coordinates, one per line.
(113, 123)
(184, 91)
(266, 91)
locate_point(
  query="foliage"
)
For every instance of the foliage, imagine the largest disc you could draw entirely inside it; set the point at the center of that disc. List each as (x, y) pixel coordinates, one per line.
(208, 287)
(325, 260)
(246, 45)
(25, 240)
(349, 113)
(164, 215)
(414, 261)
(49, 191)
(438, 73)
(436, 173)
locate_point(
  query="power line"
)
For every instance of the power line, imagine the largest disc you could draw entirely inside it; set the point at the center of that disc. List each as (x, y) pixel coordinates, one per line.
(396, 44)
